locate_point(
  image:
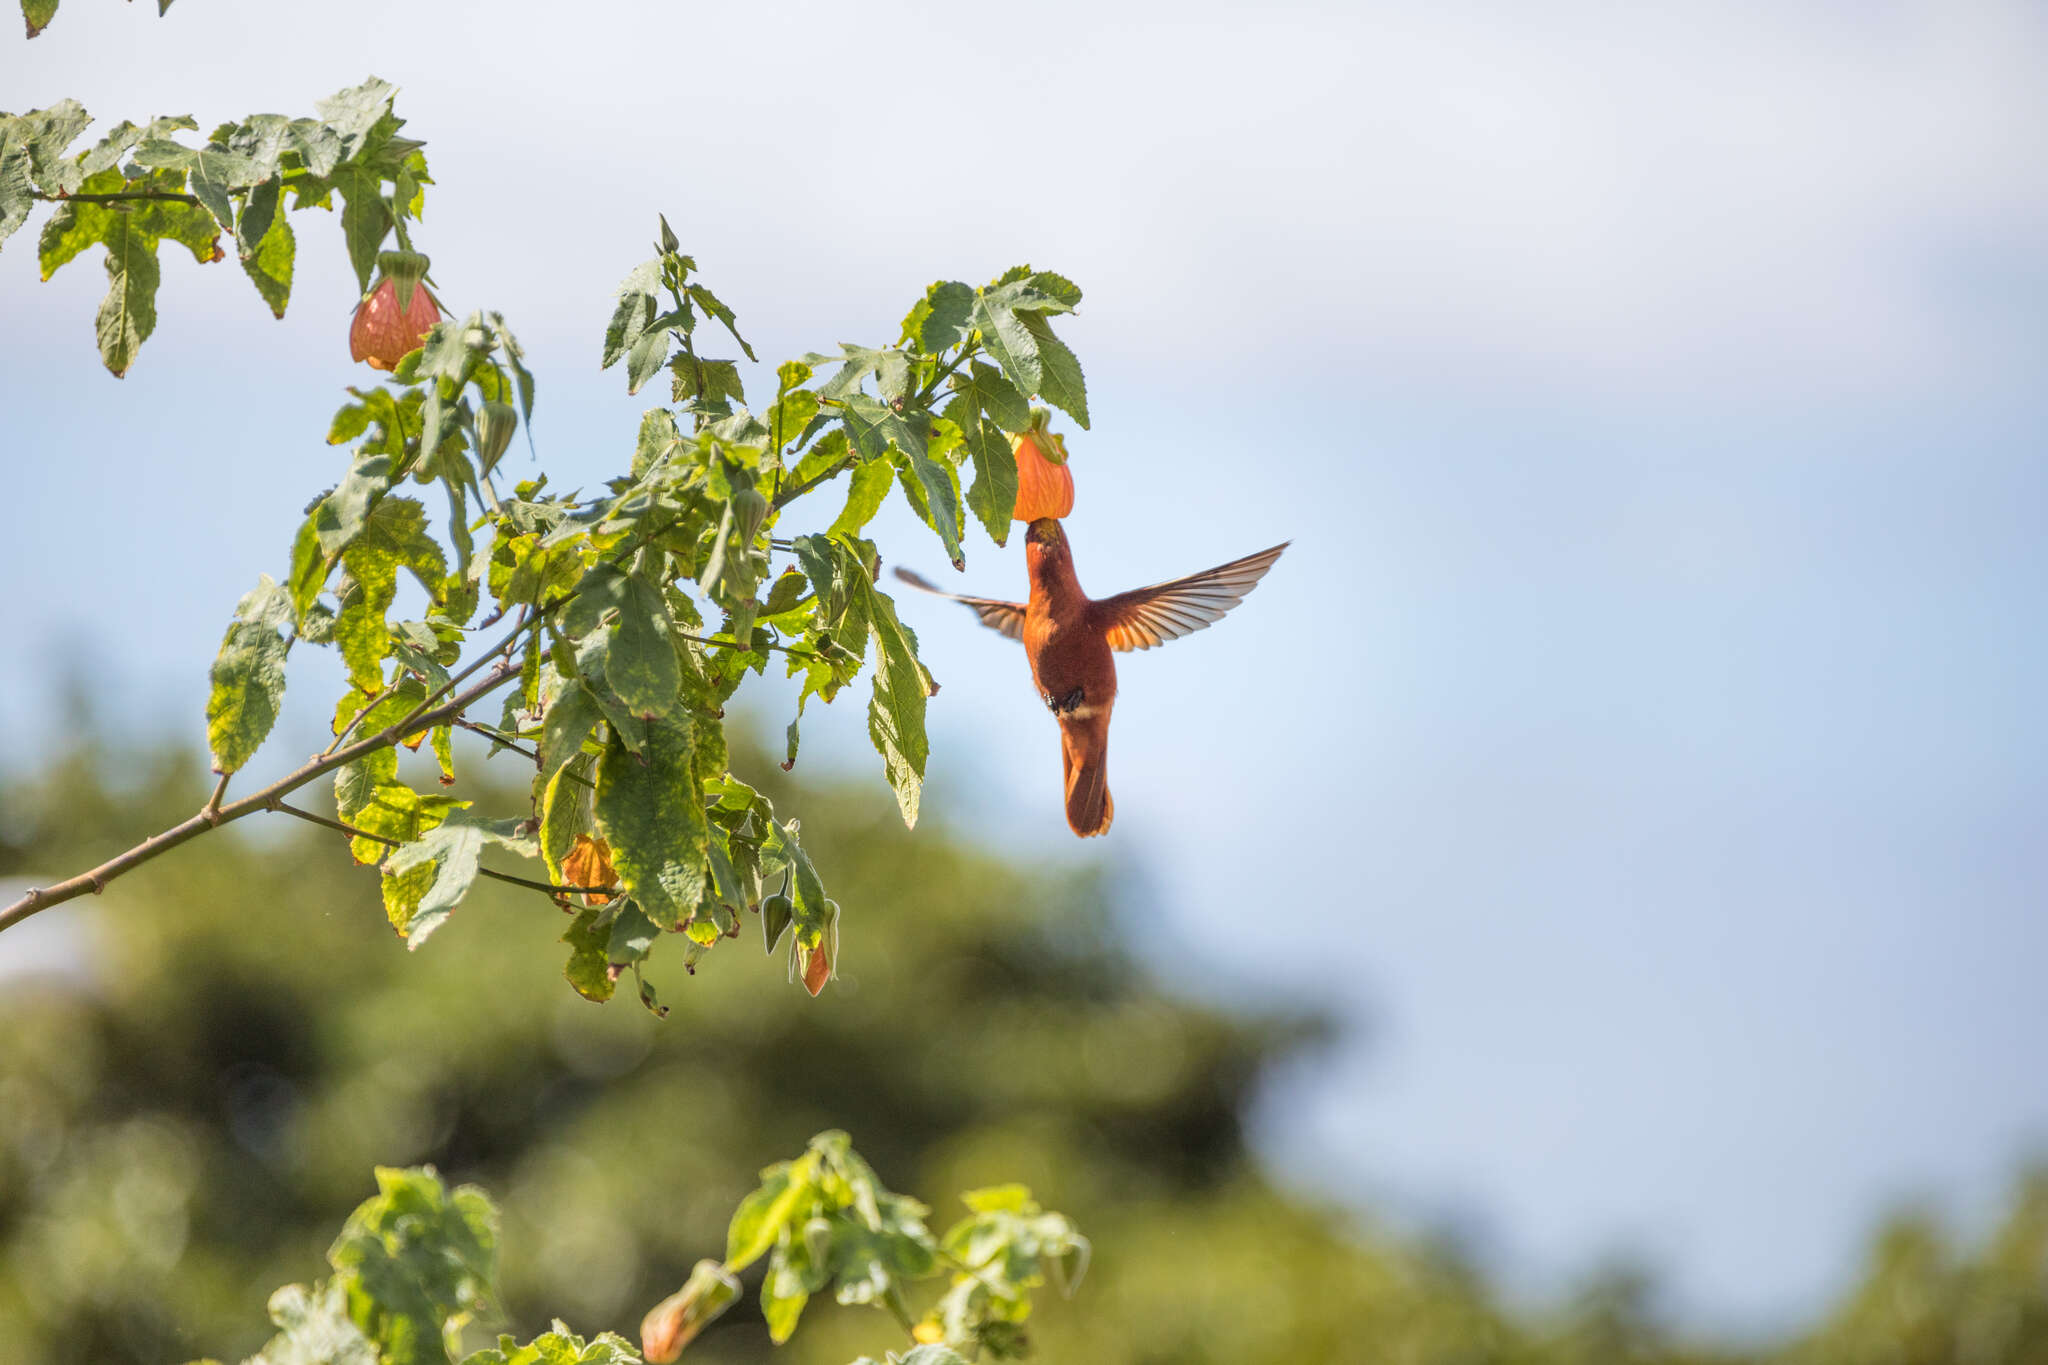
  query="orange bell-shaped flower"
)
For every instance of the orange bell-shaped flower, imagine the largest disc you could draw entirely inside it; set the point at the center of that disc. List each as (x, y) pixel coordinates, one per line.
(1045, 486)
(386, 330)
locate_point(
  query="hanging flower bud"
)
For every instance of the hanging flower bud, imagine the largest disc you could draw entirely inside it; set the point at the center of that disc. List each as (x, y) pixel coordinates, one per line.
(495, 423)
(397, 312)
(816, 966)
(674, 1322)
(1045, 486)
(749, 510)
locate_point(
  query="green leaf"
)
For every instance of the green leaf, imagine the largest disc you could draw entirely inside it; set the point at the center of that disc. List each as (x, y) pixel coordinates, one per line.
(565, 812)
(647, 354)
(74, 226)
(269, 266)
(633, 935)
(857, 363)
(212, 176)
(635, 310)
(128, 313)
(782, 1297)
(876, 428)
(515, 360)
(450, 850)
(342, 514)
(351, 114)
(993, 495)
(790, 415)
(570, 718)
(870, 485)
(1011, 1198)
(708, 301)
(1005, 337)
(720, 383)
(589, 969)
(123, 137)
(38, 13)
(393, 536)
(17, 194)
(370, 797)
(896, 709)
(650, 811)
(188, 225)
(256, 217)
(1062, 384)
(641, 665)
(1059, 288)
(47, 133)
(764, 1214)
(983, 385)
(942, 317)
(365, 218)
(248, 677)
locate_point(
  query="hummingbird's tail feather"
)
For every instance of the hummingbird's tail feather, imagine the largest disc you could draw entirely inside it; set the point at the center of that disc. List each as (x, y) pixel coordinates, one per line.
(1084, 759)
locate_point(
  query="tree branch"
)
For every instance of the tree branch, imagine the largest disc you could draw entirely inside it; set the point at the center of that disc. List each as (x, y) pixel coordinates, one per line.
(42, 898)
(797, 490)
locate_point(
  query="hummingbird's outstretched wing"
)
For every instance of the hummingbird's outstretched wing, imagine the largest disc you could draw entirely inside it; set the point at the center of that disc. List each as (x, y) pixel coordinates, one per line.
(1007, 617)
(1145, 617)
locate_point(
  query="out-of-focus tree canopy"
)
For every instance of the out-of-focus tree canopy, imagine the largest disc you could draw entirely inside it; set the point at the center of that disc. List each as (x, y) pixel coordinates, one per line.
(186, 1118)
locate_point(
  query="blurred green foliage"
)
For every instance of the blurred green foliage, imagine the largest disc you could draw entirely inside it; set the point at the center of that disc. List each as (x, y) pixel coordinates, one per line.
(187, 1116)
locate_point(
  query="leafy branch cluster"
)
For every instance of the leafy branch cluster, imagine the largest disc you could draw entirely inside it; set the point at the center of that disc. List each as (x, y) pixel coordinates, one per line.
(627, 619)
(139, 187)
(417, 1262)
(823, 1220)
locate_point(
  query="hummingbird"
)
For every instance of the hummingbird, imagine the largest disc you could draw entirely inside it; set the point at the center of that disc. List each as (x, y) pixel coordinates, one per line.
(1071, 641)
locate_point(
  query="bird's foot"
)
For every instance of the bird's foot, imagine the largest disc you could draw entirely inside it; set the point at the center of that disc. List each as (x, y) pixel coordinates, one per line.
(1066, 703)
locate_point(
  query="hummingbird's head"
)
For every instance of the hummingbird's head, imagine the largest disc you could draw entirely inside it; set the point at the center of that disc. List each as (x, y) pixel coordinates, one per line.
(1044, 537)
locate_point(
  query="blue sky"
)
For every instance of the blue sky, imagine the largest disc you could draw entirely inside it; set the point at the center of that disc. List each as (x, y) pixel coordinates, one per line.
(1641, 743)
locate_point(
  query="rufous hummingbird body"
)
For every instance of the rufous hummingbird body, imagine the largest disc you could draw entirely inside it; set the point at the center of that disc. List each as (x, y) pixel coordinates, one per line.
(1071, 641)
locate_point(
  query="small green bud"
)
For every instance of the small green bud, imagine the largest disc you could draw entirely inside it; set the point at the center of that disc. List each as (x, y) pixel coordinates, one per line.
(495, 423)
(776, 913)
(749, 510)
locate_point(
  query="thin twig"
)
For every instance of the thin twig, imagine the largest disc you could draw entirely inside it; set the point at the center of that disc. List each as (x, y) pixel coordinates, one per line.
(497, 737)
(500, 738)
(212, 808)
(121, 196)
(357, 719)
(797, 490)
(490, 872)
(734, 644)
(931, 389)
